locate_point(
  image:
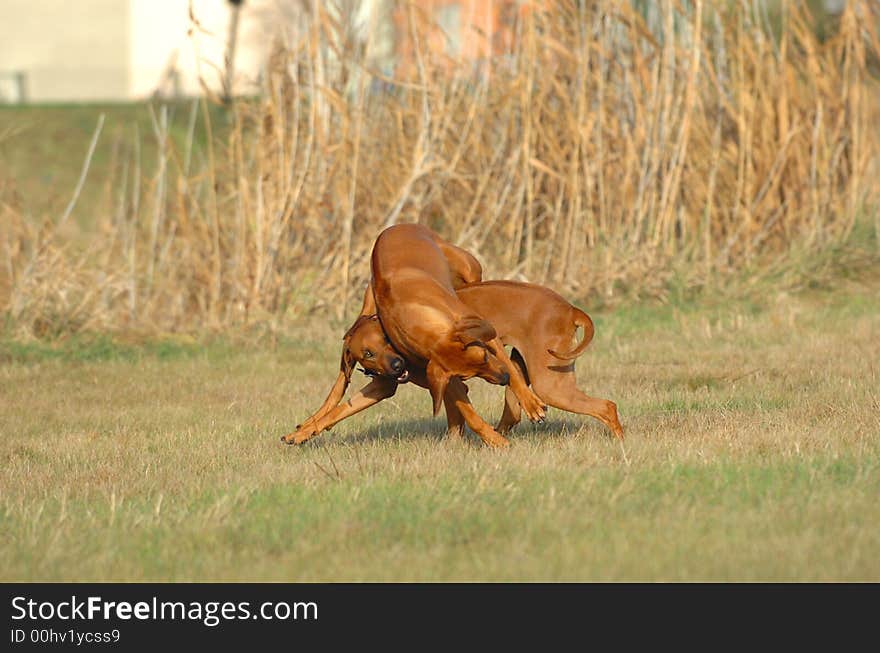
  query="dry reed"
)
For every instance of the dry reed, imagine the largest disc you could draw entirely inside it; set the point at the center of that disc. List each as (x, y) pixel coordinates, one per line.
(604, 155)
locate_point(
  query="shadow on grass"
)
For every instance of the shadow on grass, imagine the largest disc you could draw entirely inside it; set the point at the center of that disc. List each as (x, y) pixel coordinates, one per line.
(562, 427)
(427, 429)
(393, 430)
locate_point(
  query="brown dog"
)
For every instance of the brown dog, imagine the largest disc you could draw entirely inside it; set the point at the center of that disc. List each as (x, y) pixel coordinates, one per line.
(536, 321)
(463, 267)
(413, 291)
(539, 325)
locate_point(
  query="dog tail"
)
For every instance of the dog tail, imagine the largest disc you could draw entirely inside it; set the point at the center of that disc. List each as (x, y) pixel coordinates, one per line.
(581, 319)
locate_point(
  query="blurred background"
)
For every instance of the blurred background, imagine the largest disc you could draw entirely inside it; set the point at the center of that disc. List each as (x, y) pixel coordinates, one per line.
(55, 51)
(172, 165)
(98, 50)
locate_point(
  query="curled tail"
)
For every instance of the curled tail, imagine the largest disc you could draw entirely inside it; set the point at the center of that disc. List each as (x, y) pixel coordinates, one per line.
(581, 319)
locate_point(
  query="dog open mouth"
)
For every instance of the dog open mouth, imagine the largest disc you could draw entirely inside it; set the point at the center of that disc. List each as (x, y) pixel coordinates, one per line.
(403, 378)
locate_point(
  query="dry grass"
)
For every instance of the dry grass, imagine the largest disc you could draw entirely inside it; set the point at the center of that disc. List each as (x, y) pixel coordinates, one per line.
(606, 156)
(752, 453)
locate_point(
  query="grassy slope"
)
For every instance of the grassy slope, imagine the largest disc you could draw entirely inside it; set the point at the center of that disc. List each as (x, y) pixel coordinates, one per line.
(753, 452)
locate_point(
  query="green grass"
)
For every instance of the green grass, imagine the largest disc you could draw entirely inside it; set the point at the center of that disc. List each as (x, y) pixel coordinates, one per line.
(752, 453)
(105, 347)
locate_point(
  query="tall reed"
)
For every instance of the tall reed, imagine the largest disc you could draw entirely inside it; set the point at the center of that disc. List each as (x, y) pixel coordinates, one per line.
(605, 155)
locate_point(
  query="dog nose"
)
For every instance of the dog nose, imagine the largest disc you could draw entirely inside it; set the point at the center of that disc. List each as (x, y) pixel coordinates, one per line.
(505, 378)
(397, 365)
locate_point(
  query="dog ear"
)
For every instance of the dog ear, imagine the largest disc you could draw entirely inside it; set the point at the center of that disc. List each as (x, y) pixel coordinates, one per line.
(346, 364)
(354, 327)
(357, 323)
(438, 379)
(473, 330)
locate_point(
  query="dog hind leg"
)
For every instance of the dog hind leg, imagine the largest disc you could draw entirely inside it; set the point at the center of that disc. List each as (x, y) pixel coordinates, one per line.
(512, 409)
(557, 387)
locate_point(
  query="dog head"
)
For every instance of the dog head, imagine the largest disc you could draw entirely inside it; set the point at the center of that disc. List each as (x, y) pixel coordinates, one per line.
(366, 344)
(465, 354)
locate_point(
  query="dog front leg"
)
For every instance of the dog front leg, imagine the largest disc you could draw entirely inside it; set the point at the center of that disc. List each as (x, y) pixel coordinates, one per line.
(511, 415)
(531, 403)
(457, 393)
(375, 391)
(337, 392)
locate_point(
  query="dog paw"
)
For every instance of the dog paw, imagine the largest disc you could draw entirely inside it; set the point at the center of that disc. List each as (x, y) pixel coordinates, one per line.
(495, 440)
(295, 438)
(300, 435)
(291, 438)
(533, 407)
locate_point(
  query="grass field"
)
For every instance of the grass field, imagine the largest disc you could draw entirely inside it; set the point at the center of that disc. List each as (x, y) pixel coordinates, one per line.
(752, 453)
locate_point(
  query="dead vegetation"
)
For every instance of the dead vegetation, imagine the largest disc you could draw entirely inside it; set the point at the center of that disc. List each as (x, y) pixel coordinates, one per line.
(605, 156)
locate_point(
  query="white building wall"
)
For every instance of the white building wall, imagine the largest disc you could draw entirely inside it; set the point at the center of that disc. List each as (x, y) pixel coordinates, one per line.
(68, 50)
(88, 50)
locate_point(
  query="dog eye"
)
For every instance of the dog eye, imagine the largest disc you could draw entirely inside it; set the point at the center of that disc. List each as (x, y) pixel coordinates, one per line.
(368, 354)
